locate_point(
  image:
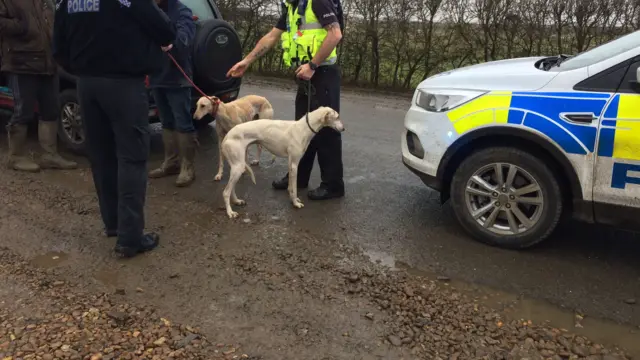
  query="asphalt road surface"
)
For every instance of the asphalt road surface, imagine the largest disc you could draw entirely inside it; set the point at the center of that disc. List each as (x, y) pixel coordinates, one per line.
(584, 278)
(390, 213)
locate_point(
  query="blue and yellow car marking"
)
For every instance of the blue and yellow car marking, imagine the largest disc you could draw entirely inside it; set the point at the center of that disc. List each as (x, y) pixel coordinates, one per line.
(624, 174)
(620, 128)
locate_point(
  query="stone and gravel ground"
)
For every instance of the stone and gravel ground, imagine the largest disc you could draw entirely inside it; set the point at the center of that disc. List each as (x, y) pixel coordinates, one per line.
(267, 286)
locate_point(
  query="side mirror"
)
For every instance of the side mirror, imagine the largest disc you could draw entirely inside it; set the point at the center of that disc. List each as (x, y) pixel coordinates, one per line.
(638, 75)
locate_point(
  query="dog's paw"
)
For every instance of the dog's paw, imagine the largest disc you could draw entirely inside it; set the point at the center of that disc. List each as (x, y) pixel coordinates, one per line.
(239, 202)
(298, 204)
(255, 162)
(232, 214)
(218, 177)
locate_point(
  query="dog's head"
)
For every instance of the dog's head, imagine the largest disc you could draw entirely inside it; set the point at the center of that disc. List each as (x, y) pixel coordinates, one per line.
(206, 106)
(330, 118)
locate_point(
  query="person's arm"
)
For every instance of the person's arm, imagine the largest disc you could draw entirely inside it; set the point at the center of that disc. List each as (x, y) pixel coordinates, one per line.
(327, 15)
(186, 30)
(60, 48)
(153, 20)
(334, 35)
(16, 25)
(265, 44)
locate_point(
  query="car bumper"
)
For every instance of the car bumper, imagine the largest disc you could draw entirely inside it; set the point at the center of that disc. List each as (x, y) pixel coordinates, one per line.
(425, 139)
(431, 181)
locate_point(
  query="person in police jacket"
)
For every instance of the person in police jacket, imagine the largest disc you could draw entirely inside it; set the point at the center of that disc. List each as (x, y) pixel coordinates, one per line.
(309, 32)
(111, 45)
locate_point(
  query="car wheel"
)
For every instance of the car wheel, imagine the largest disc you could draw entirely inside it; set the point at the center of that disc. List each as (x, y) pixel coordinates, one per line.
(70, 129)
(216, 48)
(506, 197)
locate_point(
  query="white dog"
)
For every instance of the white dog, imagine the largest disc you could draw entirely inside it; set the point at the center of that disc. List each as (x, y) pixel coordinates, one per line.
(244, 109)
(282, 138)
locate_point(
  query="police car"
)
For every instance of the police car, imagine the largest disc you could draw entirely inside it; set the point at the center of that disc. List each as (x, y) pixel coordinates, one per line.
(515, 144)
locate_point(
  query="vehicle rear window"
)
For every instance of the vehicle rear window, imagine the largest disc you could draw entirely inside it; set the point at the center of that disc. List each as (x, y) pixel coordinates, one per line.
(602, 52)
(200, 8)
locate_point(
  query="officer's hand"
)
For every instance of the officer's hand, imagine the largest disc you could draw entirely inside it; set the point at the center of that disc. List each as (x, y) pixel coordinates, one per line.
(167, 48)
(304, 72)
(238, 69)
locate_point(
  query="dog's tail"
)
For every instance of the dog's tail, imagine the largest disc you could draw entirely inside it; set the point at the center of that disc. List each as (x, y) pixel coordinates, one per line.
(248, 168)
(266, 110)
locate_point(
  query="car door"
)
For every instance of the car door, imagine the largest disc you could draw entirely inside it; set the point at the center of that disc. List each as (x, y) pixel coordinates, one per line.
(617, 171)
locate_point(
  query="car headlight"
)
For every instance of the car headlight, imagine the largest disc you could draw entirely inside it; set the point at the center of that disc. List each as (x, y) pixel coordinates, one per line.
(444, 100)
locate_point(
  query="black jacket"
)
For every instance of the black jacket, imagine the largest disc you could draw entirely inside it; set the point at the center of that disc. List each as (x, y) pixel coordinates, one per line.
(113, 38)
(170, 76)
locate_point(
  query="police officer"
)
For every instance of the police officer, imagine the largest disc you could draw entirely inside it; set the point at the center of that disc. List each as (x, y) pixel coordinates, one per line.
(110, 46)
(310, 30)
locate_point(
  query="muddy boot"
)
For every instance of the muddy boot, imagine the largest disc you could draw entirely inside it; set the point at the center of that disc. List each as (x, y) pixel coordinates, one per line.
(17, 135)
(50, 159)
(171, 163)
(187, 144)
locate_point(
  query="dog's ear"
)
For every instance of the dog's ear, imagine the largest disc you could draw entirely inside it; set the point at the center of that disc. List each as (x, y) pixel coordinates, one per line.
(327, 115)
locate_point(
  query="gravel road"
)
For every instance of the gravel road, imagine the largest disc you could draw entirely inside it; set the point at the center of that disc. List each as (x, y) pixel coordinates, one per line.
(276, 284)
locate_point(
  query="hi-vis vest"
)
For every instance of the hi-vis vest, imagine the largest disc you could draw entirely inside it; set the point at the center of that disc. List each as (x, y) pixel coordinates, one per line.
(304, 36)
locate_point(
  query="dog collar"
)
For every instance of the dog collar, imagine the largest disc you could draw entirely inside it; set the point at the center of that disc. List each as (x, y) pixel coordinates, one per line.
(214, 109)
(309, 125)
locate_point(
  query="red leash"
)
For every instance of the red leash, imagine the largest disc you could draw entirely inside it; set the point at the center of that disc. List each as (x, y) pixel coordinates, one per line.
(215, 102)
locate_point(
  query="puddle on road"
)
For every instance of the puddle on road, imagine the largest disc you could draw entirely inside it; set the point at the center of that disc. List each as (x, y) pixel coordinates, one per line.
(381, 258)
(203, 220)
(106, 277)
(516, 307)
(49, 260)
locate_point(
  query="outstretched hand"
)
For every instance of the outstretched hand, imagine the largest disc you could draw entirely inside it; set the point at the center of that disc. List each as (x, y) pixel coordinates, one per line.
(238, 69)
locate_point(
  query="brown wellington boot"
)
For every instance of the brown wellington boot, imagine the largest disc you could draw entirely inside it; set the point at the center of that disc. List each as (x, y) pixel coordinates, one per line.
(171, 164)
(187, 144)
(17, 135)
(50, 159)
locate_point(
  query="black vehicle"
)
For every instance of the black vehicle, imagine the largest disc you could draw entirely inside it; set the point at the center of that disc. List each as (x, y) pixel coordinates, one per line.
(216, 49)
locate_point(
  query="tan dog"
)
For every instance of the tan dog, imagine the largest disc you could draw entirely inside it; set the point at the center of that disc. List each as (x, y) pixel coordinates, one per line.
(242, 110)
(282, 138)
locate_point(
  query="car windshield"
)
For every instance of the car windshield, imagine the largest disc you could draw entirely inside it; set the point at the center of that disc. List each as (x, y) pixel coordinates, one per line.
(602, 52)
(200, 8)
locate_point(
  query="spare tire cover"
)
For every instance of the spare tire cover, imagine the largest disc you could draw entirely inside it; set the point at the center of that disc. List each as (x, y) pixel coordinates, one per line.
(216, 49)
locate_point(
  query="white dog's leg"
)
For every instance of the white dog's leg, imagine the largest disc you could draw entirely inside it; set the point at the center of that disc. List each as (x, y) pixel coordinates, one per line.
(293, 183)
(235, 200)
(256, 161)
(229, 191)
(218, 176)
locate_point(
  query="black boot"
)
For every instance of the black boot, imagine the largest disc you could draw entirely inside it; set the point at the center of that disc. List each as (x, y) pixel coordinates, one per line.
(149, 242)
(325, 192)
(283, 184)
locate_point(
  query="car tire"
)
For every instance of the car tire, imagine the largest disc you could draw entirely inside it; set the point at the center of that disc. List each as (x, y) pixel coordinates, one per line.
(70, 131)
(216, 49)
(524, 218)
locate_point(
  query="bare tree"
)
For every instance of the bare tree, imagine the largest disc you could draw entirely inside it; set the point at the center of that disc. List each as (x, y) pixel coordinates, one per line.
(397, 43)
(534, 16)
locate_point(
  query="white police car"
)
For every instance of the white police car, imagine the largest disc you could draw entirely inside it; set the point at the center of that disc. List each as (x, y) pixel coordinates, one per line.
(516, 143)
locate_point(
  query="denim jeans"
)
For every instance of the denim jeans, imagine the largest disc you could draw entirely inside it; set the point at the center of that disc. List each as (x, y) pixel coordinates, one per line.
(174, 106)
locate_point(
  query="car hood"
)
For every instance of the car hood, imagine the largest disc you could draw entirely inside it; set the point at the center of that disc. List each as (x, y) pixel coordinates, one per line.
(507, 75)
